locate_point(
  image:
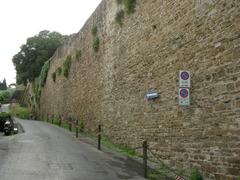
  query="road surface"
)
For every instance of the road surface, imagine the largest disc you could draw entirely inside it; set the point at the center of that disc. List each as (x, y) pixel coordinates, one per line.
(46, 152)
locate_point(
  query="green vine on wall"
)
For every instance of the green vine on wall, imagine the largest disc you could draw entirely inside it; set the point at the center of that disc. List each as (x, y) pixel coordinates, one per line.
(67, 65)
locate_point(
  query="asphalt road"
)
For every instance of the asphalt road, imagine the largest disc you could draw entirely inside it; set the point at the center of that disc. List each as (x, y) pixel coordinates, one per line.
(46, 152)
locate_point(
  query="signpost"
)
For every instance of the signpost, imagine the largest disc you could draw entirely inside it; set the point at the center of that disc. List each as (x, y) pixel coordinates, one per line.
(184, 85)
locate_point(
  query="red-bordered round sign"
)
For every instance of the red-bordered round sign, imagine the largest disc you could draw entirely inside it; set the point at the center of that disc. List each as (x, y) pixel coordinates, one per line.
(184, 93)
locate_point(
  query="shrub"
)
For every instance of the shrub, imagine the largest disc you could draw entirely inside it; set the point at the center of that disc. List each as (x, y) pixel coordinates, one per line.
(81, 128)
(78, 54)
(54, 76)
(19, 111)
(67, 65)
(59, 71)
(119, 17)
(4, 115)
(95, 44)
(94, 30)
(129, 6)
(195, 175)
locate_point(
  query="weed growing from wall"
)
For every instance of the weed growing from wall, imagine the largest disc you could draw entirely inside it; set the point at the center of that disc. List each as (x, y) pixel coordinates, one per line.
(95, 44)
(59, 71)
(78, 55)
(67, 65)
(129, 8)
(96, 40)
(119, 17)
(54, 76)
(94, 30)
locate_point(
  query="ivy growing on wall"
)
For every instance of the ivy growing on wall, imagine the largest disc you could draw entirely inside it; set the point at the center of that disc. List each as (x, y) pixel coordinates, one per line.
(67, 65)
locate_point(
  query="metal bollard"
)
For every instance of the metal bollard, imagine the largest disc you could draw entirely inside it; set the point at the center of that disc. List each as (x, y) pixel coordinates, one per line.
(145, 157)
(99, 137)
(76, 128)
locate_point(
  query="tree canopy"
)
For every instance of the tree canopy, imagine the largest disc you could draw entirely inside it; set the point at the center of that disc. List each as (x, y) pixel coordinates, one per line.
(3, 85)
(38, 49)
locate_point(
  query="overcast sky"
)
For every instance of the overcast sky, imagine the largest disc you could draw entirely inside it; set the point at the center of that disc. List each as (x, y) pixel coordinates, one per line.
(21, 19)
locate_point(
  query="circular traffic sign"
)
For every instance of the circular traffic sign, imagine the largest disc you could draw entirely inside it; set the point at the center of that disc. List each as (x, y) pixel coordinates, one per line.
(184, 93)
(184, 75)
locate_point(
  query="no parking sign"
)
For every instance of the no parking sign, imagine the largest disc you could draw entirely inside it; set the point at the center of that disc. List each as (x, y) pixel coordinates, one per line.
(184, 96)
(184, 79)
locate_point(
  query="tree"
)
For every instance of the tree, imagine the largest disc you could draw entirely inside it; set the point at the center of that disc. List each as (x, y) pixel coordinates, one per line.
(3, 85)
(38, 49)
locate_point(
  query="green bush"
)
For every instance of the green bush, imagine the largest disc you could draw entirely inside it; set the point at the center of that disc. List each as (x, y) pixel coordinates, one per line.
(67, 65)
(59, 71)
(19, 111)
(119, 17)
(4, 116)
(95, 44)
(54, 76)
(195, 175)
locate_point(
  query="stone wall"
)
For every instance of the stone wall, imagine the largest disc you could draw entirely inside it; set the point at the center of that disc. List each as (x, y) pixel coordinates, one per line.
(159, 39)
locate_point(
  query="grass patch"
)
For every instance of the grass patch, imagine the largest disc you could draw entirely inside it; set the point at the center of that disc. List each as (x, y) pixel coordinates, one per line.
(95, 44)
(20, 112)
(59, 71)
(67, 65)
(54, 76)
(119, 17)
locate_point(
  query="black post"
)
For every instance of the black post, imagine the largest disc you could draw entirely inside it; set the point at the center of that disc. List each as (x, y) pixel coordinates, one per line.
(59, 121)
(145, 157)
(99, 137)
(70, 125)
(76, 128)
(52, 119)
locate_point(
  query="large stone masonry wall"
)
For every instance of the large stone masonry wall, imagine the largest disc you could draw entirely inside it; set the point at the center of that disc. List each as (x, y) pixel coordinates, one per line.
(159, 39)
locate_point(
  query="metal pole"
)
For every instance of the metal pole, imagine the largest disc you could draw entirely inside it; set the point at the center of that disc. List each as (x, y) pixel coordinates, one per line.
(76, 128)
(99, 137)
(145, 157)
